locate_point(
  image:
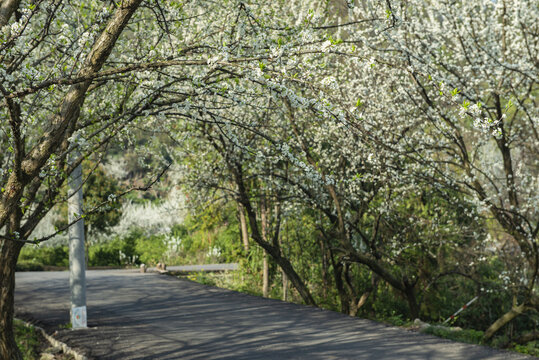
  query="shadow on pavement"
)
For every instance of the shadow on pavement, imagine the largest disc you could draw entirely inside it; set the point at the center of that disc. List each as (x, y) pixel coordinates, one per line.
(136, 316)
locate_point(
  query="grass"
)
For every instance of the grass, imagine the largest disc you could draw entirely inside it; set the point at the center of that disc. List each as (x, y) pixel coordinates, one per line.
(395, 320)
(476, 337)
(202, 278)
(27, 339)
(469, 336)
(531, 348)
(227, 280)
(33, 345)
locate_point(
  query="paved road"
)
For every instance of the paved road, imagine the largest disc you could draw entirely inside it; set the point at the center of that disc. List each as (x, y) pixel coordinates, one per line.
(152, 316)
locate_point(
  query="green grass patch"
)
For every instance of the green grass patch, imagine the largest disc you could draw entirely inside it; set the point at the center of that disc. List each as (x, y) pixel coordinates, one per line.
(467, 336)
(202, 278)
(227, 280)
(396, 320)
(27, 339)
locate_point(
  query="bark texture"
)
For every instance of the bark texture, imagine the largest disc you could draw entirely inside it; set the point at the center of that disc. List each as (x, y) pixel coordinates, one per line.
(9, 252)
(243, 228)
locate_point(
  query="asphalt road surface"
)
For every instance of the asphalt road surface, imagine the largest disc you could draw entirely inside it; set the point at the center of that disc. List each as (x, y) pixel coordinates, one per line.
(152, 316)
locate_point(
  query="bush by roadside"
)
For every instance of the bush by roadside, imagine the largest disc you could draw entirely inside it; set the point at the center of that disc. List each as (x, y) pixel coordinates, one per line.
(29, 266)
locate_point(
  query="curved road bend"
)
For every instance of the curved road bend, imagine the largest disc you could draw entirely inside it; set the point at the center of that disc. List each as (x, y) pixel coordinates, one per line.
(152, 316)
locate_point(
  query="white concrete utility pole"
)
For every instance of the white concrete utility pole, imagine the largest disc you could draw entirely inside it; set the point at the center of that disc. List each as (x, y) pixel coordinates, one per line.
(77, 268)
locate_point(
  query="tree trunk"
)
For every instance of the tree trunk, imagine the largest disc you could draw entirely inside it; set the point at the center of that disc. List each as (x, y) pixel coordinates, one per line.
(298, 283)
(9, 252)
(283, 274)
(265, 265)
(372, 290)
(265, 275)
(363, 299)
(285, 286)
(243, 228)
(353, 299)
(325, 266)
(412, 302)
(506, 318)
(339, 283)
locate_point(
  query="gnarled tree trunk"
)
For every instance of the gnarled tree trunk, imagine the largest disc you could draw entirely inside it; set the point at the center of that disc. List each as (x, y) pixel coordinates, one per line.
(9, 252)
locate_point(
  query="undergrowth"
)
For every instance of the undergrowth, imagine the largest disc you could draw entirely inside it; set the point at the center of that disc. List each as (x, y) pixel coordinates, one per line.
(27, 340)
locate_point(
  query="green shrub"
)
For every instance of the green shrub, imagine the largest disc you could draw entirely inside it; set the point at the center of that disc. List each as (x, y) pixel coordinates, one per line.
(389, 305)
(45, 255)
(106, 254)
(531, 348)
(397, 320)
(468, 336)
(116, 252)
(150, 249)
(28, 266)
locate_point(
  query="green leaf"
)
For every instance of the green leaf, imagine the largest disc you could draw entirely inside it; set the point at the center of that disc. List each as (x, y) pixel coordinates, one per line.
(508, 105)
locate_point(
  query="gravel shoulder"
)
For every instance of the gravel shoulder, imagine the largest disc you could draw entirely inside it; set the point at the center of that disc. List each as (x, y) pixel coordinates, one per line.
(152, 316)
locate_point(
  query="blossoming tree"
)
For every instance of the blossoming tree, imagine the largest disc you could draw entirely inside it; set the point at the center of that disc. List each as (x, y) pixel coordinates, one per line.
(454, 87)
(76, 75)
